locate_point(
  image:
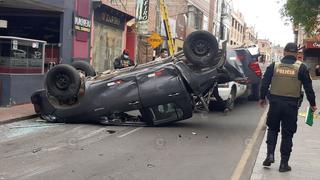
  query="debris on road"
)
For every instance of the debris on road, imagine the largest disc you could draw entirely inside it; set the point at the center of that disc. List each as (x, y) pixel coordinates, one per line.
(150, 166)
(111, 131)
(194, 133)
(180, 136)
(35, 150)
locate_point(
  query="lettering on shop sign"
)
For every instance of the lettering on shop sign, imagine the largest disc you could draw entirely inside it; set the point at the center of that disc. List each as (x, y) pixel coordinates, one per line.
(142, 10)
(110, 19)
(82, 24)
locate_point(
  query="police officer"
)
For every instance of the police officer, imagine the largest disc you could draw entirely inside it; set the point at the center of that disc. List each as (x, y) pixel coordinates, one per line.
(282, 82)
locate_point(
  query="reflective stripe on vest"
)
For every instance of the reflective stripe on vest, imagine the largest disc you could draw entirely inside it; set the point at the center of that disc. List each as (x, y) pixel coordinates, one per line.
(285, 80)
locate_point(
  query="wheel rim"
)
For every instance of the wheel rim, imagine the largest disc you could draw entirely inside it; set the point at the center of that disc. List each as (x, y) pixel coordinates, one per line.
(62, 81)
(200, 47)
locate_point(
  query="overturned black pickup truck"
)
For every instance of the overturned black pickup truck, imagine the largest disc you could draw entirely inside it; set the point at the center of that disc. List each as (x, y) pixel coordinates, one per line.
(161, 91)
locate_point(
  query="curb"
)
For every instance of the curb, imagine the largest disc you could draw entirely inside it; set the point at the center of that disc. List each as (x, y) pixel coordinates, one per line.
(18, 119)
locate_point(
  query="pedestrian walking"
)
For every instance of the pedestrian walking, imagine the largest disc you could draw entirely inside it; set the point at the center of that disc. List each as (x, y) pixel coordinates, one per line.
(123, 61)
(281, 84)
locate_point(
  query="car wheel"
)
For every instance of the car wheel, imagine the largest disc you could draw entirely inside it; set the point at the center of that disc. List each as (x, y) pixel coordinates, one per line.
(63, 82)
(230, 101)
(201, 49)
(85, 67)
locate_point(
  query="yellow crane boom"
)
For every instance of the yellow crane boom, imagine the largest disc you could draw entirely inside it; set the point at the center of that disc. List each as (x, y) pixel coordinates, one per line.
(164, 15)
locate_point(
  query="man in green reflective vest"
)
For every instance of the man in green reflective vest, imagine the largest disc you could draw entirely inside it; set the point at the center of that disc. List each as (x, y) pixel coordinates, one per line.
(282, 84)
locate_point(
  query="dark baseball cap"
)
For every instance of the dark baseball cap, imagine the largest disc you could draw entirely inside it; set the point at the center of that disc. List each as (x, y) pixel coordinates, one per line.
(291, 47)
(125, 51)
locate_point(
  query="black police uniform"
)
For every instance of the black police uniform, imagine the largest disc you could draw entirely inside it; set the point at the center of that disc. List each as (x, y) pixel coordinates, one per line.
(284, 110)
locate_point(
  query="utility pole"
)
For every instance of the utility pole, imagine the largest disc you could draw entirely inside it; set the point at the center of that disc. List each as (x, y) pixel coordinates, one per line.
(211, 15)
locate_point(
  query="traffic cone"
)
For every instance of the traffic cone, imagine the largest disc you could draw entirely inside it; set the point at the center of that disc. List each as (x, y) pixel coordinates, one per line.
(309, 117)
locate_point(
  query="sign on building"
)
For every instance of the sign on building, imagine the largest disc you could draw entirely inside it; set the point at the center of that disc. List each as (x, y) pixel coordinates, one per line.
(142, 16)
(142, 10)
(82, 24)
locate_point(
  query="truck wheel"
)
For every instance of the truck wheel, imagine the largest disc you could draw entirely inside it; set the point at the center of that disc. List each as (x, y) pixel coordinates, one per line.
(63, 82)
(85, 67)
(201, 49)
(230, 101)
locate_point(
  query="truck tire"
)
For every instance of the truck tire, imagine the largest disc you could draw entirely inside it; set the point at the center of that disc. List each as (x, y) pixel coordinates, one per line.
(85, 67)
(63, 82)
(201, 49)
(230, 101)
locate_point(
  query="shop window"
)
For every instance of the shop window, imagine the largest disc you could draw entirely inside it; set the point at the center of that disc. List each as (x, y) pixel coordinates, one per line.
(21, 56)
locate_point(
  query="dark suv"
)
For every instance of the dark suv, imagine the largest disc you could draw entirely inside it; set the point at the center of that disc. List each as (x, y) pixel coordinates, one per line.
(249, 59)
(163, 91)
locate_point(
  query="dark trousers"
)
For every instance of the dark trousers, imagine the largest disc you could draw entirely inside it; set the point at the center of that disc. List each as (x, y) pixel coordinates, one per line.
(285, 114)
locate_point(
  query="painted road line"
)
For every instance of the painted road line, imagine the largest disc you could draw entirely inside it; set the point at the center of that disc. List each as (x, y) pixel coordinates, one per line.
(236, 175)
(92, 134)
(130, 132)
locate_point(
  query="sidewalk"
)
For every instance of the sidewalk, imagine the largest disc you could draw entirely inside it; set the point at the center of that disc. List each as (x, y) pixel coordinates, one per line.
(305, 155)
(15, 113)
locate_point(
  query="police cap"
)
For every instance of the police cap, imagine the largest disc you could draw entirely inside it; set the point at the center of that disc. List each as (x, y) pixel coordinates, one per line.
(291, 47)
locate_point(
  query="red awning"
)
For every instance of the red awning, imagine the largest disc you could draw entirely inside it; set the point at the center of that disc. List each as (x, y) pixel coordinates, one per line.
(309, 44)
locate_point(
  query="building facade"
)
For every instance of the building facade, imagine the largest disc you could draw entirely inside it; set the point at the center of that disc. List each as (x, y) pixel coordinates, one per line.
(277, 53)
(110, 33)
(89, 30)
(265, 47)
(250, 36)
(28, 24)
(222, 20)
(185, 16)
(237, 29)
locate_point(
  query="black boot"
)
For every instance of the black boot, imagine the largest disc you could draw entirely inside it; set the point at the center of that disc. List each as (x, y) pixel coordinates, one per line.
(284, 166)
(270, 155)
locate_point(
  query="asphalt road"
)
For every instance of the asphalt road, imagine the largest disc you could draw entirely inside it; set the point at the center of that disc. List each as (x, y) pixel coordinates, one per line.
(206, 147)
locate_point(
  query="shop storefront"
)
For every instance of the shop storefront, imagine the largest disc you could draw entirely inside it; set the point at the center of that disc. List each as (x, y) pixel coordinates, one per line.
(37, 35)
(109, 36)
